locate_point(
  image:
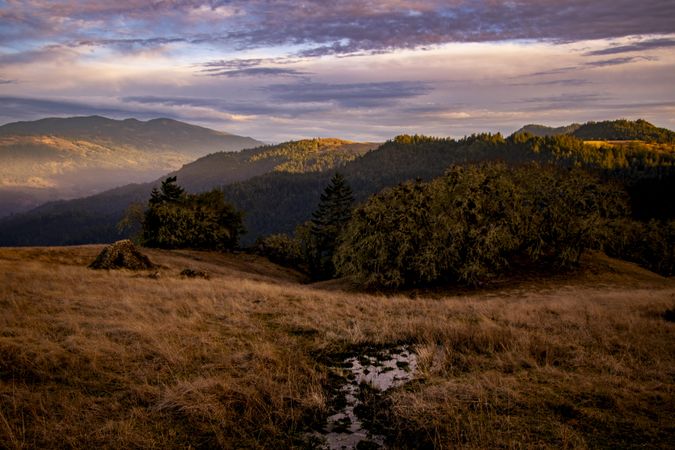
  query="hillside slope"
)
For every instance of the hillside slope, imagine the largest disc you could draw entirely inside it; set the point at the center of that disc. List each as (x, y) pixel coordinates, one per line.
(117, 359)
(93, 219)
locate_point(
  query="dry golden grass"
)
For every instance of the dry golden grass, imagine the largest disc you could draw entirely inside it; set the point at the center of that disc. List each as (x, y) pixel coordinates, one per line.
(120, 360)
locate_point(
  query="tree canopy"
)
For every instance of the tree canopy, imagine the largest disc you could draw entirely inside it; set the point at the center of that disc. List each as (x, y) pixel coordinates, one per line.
(175, 219)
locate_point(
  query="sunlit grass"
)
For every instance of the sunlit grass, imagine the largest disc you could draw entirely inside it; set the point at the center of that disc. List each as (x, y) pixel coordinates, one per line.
(119, 360)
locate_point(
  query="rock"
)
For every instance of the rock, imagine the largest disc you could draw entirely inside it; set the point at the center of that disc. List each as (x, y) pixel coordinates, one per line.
(121, 255)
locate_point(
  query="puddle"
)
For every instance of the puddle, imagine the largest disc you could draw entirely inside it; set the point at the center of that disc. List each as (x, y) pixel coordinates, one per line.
(380, 370)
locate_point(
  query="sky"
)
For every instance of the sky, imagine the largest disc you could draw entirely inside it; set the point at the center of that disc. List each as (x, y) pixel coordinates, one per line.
(365, 70)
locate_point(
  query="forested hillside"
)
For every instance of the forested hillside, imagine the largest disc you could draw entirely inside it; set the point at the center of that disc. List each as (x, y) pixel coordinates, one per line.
(265, 184)
(94, 218)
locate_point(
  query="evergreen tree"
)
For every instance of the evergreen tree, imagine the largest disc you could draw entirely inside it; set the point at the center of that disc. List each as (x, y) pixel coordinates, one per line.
(170, 192)
(330, 218)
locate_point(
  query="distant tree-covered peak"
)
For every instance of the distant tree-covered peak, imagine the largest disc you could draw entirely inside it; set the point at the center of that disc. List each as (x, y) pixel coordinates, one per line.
(312, 155)
(624, 130)
(607, 130)
(543, 130)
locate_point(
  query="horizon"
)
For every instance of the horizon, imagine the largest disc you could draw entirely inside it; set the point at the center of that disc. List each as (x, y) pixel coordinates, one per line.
(360, 71)
(316, 137)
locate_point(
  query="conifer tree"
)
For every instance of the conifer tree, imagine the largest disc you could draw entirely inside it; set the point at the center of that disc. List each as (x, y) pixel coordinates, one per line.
(330, 218)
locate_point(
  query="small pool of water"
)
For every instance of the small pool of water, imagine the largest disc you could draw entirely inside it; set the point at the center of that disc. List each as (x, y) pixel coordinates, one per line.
(381, 370)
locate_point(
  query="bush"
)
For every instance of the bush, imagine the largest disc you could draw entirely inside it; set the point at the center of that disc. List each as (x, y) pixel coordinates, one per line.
(281, 249)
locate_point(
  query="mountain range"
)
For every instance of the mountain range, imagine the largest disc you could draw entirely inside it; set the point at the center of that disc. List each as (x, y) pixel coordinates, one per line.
(58, 158)
(278, 186)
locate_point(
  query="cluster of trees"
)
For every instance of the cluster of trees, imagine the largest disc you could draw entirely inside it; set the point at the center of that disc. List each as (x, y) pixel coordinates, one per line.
(466, 226)
(470, 224)
(176, 219)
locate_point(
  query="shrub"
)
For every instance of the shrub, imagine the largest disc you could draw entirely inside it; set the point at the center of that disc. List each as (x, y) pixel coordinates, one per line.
(281, 249)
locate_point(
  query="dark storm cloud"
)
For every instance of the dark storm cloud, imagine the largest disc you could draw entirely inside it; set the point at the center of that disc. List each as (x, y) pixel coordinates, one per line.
(351, 95)
(635, 47)
(343, 27)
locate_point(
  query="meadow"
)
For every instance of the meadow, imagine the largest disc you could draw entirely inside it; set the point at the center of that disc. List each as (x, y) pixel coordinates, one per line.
(244, 359)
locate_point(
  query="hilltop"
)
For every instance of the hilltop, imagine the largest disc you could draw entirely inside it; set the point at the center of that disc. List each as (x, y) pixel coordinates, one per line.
(543, 130)
(608, 130)
(120, 359)
(65, 158)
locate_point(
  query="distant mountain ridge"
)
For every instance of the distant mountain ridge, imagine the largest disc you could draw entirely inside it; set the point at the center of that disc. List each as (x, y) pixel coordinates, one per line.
(153, 135)
(610, 130)
(56, 158)
(93, 218)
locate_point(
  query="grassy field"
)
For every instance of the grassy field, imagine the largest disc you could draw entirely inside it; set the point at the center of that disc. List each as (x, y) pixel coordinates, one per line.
(130, 360)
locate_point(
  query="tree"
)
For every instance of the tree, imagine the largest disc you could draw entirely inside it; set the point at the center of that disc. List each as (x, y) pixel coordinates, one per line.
(175, 219)
(170, 192)
(330, 218)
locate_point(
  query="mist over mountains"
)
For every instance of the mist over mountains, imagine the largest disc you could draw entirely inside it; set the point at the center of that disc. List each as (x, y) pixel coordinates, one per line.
(58, 158)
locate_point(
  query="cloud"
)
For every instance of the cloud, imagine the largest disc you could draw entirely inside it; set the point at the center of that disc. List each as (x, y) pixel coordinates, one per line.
(563, 82)
(350, 95)
(259, 72)
(564, 101)
(619, 61)
(130, 43)
(230, 107)
(26, 107)
(252, 67)
(634, 47)
(345, 27)
(585, 65)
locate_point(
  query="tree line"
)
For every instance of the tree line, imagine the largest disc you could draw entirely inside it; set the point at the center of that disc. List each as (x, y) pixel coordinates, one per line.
(476, 221)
